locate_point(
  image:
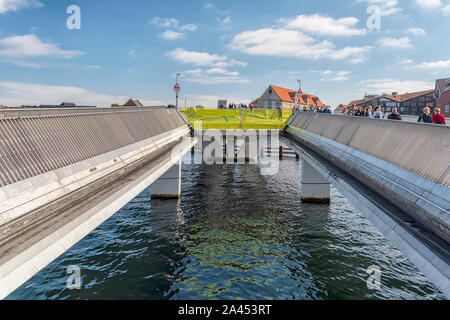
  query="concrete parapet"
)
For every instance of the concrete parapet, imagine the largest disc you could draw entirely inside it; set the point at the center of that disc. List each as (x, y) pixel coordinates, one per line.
(419, 148)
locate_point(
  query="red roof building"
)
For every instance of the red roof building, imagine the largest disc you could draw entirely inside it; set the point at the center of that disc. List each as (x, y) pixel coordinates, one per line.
(277, 97)
(442, 94)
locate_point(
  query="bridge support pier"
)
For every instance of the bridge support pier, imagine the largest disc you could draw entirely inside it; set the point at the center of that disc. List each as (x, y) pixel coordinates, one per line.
(168, 186)
(314, 187)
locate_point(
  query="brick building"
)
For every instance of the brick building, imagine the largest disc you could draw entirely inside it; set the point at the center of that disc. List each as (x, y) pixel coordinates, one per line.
(407, 104)
(442, 94)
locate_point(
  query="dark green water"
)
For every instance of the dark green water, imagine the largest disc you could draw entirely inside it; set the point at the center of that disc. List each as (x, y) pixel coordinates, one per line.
(234, 235)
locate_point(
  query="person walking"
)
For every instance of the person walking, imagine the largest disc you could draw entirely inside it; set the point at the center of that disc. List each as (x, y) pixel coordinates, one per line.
(425, 116)
(438, 117)
(394, 115)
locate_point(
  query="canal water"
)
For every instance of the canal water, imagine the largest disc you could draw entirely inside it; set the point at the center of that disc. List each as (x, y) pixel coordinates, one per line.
(234, 235)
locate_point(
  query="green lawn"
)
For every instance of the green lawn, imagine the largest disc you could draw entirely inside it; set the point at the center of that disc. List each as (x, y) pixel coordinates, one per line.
(231, 119)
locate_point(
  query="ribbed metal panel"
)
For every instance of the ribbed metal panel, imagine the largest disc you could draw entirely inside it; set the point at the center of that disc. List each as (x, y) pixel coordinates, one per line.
(31, 145)
(13, 113)
(422, 149)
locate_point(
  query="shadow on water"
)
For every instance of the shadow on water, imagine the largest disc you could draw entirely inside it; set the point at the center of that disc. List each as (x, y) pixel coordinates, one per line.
(234, 235)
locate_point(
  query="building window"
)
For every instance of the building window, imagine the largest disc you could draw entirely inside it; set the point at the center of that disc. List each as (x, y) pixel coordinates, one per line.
(447, 108)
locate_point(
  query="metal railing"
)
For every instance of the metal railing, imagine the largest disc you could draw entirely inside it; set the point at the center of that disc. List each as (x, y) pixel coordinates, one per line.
(37, 143)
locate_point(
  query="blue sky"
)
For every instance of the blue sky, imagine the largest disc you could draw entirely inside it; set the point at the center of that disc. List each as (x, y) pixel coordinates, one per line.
(224, 49)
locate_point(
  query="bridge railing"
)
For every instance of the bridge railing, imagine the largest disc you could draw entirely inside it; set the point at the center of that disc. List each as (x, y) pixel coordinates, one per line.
(38, 143)
(419, 148)
(14, 113)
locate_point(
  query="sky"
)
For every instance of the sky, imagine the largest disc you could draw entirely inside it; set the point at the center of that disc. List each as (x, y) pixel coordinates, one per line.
(231, 49)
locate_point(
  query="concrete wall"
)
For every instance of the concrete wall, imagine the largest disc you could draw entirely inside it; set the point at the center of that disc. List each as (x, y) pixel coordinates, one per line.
(422, 149)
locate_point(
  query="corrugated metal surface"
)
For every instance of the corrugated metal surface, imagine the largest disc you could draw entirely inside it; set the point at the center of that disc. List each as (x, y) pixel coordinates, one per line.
(13, 113)
(30, 146)
(422, 149)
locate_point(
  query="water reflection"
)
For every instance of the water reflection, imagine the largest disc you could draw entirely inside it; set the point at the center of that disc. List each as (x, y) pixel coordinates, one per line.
(234, 235)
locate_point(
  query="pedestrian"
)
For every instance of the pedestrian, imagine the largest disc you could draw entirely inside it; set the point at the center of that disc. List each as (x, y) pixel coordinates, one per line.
(438, 117)
(425, 116)
(378, 114)
(394, 115)
(368, 113)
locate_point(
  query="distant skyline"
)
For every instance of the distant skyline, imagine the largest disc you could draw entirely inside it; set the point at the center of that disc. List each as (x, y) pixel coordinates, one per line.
(224, 49)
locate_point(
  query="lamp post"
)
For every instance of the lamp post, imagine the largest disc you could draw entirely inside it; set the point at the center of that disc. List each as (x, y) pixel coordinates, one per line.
(299, 93)
(177, 88)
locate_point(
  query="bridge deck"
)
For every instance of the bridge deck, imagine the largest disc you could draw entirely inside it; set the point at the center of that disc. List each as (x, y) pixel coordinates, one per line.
(27, 248)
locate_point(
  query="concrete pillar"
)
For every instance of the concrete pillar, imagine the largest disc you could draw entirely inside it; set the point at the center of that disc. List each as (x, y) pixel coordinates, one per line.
(168, 186)
(315, 188)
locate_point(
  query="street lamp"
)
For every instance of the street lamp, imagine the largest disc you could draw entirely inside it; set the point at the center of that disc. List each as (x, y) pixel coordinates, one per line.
(177, 88)
(299, 93)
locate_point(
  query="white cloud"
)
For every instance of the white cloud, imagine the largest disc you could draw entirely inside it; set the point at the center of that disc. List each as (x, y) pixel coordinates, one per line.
(173, 23)
(324, 25)
(329, 75)
(171, 35)
(19, 93)
(443, 65)
(28, 64)
(224, 21)
(395, 43)
(30, 45)
(213, 76)
(292, 43)
(379, 86)
(388, 7)
(203, 59)
(189, 27)
(14, 5)
(429, 4)
(165, 22)
(416, 31)
(446, 10)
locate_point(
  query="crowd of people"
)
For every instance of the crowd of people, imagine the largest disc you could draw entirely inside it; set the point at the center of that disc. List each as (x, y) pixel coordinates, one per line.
(323, 109)
(378, 113)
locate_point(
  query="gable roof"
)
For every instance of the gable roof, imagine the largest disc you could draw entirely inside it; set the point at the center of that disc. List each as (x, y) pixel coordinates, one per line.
(359, 102)
(397, 98)
(443, 84)
(290, 95)
(409, 96)
(133, 103)
(284, 94)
